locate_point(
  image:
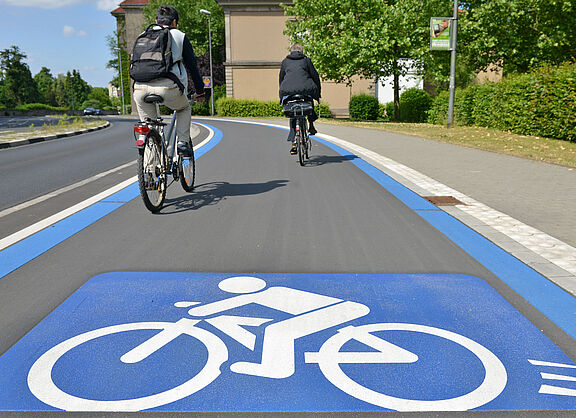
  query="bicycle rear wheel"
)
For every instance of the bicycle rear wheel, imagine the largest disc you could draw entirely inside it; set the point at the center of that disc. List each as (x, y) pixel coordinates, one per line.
(187, 168)
(151, 173)
(300, 146)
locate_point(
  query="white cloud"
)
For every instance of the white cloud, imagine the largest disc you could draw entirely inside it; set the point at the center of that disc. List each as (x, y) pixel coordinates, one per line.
(72, 31)
(106, 5)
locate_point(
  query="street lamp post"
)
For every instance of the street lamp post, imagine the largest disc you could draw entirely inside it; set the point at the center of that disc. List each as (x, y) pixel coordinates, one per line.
(206, 12)
(121, 81)
(452, 87)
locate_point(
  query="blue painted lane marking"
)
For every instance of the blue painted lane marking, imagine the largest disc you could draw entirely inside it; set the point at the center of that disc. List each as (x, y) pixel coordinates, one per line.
(35, 245)
(547, 297)
(362, 342)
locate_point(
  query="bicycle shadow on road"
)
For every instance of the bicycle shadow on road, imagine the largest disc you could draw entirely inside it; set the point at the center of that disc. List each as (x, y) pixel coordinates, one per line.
(209, 194)
(318, 160)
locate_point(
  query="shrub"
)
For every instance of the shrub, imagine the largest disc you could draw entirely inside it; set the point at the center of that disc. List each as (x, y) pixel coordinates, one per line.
(363, 107)
(227, 106)
(323, 110)
(38, 106)
(414, 105)
(542, 103)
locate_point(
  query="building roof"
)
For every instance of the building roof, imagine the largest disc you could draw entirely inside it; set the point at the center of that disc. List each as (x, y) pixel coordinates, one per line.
(118, 11)
(134, 3)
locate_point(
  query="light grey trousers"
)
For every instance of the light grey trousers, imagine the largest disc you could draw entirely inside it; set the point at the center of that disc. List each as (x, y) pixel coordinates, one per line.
(173, 98)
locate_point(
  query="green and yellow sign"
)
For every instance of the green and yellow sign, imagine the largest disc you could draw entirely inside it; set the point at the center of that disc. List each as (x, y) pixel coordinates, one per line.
(440, 36)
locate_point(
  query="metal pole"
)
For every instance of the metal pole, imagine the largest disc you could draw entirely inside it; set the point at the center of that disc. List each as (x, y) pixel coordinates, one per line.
(453, 33)
(121, 80)
(211, 76)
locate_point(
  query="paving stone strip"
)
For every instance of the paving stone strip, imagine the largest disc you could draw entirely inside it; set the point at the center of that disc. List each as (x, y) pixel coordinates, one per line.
(549, 256)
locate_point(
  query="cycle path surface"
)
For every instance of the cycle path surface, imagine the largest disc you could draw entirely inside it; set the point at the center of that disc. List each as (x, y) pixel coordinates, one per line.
(350, 225)
(527, 207)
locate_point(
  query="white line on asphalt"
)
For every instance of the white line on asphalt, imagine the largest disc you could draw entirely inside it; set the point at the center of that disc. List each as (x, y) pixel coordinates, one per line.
(62, 190)
(51, 220)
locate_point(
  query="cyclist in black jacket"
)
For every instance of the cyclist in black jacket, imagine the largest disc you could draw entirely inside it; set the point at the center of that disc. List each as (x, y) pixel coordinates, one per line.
(298, 76)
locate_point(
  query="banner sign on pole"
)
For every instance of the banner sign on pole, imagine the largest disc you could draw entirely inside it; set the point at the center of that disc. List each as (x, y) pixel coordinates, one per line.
(440, 34)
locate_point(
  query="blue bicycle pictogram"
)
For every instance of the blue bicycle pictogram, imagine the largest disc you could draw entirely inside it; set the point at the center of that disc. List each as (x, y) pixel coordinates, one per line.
(307, 313)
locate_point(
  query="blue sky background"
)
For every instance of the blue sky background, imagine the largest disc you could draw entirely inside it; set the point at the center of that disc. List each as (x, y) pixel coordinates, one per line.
(62, 35)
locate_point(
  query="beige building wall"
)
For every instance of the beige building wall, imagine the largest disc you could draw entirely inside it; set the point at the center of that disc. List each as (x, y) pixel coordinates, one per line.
(255, 48)
(258, 37)
(255, 83)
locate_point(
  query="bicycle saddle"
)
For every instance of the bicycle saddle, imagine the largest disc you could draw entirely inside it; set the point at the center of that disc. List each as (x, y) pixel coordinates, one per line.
(297, 97)
(153, 98)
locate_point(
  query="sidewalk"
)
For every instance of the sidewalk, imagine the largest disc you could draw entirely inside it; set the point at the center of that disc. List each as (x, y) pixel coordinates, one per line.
(526, 207)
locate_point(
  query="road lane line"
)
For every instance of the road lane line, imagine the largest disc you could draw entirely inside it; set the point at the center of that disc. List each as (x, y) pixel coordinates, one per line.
(63, 190)
(84, 182)
(25, 245)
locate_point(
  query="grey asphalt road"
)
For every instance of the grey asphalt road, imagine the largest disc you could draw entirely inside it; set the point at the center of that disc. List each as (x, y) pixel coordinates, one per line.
(35, 170)
(254, 210)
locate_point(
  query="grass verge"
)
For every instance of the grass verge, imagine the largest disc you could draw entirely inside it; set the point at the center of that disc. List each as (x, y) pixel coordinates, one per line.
(533, 147)
(64, 125)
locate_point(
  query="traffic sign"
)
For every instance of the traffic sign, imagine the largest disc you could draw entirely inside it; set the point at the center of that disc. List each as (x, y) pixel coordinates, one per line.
(207, 81)
(131, 341)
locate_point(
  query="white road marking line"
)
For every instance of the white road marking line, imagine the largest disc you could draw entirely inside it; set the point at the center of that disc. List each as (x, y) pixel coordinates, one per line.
(550, 364)
(553, 390)
(62, 190)
(552, 376)
(51, 220)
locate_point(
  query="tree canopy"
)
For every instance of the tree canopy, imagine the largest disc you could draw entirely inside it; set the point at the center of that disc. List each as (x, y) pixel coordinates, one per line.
(518, 34)
(18, 86)
(195, 24)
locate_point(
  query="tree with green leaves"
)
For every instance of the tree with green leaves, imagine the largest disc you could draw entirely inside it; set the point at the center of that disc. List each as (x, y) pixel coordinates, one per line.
(518, 34)
(195, 25)
(71, 90)
(45, 82)
(17, 82)
(116, 46)
(368, 38)
(98, 98)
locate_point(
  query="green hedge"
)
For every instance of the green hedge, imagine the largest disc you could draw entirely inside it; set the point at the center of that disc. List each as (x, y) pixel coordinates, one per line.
(541, 103)
(414, 105)
(38, 106)
(230, 107)
(363, 107)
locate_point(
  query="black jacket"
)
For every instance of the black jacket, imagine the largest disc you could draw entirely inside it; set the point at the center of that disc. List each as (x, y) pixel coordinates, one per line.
(298, 76)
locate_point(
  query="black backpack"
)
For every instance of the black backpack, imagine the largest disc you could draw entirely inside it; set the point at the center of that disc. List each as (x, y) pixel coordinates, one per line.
(152, 54)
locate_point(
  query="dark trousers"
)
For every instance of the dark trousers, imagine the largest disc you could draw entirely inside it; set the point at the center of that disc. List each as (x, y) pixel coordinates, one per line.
(311, 118)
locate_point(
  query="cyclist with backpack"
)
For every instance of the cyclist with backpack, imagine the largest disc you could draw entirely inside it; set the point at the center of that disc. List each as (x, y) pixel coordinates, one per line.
(162, 58)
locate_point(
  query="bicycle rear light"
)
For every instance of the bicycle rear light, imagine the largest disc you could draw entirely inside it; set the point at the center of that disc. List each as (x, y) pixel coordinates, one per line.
(141, 129)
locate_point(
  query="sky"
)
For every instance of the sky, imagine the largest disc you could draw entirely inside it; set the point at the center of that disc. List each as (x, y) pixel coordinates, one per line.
(62, 35)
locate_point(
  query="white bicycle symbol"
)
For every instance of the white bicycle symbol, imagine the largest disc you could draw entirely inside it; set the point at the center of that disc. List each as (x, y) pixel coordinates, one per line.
(329, 359)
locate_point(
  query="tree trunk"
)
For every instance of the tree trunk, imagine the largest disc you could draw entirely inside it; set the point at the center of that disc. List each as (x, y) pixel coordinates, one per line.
(396, 93)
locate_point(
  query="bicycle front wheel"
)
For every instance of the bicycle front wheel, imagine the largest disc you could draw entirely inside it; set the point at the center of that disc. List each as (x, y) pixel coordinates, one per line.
(151, 173)
(44, 388)
(187, 168)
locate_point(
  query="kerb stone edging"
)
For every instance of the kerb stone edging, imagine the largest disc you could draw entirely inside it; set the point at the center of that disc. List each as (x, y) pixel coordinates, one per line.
(33, 140)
